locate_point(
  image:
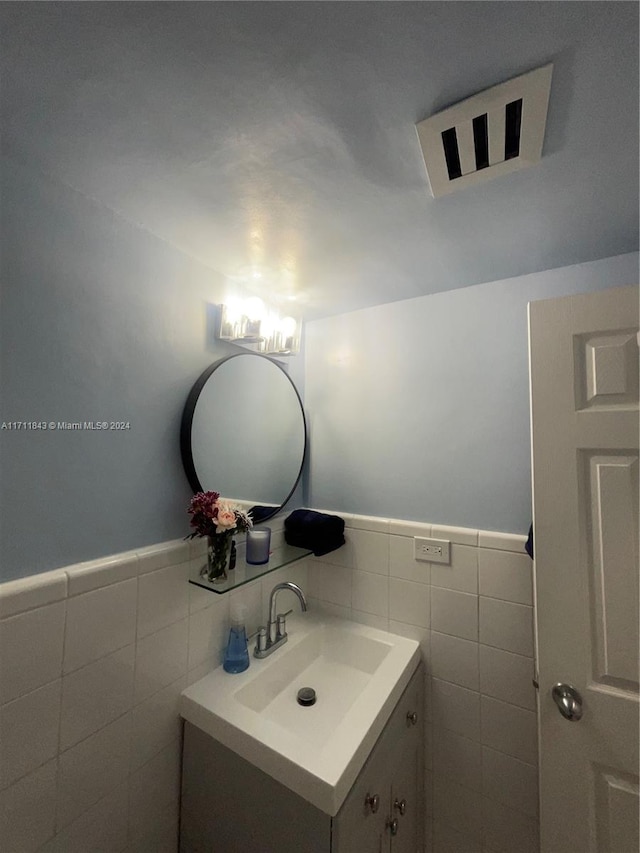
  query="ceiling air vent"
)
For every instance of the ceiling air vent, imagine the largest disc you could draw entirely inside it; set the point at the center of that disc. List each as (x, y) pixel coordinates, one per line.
(492, 133)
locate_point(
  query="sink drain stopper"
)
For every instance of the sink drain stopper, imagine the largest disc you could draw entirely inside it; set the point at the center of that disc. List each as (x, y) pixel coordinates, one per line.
(306, 696)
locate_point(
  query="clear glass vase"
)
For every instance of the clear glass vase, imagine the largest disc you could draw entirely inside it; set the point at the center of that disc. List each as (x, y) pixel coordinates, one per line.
(220, 549)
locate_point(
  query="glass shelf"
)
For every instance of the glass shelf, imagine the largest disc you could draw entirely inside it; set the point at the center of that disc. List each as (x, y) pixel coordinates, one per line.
(245, 572)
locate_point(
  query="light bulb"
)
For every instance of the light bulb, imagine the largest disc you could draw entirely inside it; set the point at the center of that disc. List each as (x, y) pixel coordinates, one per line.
(233, 310)
(288, 327)
(254, 308)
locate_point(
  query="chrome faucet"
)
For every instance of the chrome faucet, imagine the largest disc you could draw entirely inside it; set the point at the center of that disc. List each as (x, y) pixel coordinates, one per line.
(274, 634)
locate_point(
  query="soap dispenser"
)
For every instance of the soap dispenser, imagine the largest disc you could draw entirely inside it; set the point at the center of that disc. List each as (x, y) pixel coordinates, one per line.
(236, 657)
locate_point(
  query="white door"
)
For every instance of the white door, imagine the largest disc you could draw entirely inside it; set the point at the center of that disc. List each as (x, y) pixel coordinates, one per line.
(584, 398)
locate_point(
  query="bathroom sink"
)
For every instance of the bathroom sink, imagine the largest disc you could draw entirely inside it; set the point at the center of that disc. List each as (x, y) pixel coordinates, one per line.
(358, 674)
(335, 662)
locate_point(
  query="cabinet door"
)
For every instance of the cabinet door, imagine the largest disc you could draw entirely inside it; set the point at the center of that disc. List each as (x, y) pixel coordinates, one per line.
(392, 769)
(359, 827)
(406, 802)
(230, 806)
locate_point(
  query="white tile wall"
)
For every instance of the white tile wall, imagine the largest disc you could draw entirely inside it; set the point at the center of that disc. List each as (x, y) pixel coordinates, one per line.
(94, 658)
(156, 723)
(509, 729)
(454, 613)
(506, 625)
(207, 630)
(163, 598)
(370, 551)
(31, 646)
(505, 575)
(91, 670)
(93, 768)
(18, 596)
(410, 602)
(94, 696)
(29, 732)
(103, 827)
(28, 809)
(457, 758)
(99, 622)
(509, 781)
(457, 806)
(461, 573)
(370, 593)
(455, 708)
(474, 620)
(402, 563)
(96, 574)
(446, 839)
(453, 659)
(508, 677)
(154, 793)
(330, 583)
(508, 830)
(161, 658)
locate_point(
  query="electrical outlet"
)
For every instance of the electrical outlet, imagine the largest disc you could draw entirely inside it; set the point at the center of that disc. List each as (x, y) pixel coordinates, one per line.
(432, 550)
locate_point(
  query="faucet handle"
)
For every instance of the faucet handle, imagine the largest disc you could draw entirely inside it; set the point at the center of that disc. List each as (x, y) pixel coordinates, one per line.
(284, 615)
(261, 642)
(282, 623)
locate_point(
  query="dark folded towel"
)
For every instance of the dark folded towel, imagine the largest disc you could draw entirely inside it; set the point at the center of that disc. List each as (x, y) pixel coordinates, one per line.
(259, 513)
(317, 531)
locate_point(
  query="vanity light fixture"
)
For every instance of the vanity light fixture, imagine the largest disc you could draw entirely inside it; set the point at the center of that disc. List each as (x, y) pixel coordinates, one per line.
(250, 324)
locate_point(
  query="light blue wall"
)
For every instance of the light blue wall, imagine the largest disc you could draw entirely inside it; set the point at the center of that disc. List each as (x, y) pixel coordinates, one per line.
(416, 409)
(101, 321)
(420, 410)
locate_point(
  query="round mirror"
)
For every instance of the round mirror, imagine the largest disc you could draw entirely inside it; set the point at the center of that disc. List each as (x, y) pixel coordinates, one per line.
(243, 433)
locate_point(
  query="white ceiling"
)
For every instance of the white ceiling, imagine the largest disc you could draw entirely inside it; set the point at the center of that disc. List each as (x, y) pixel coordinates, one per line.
(281, 136)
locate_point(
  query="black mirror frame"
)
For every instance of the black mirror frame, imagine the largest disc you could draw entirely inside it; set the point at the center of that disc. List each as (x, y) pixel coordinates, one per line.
(187, 420)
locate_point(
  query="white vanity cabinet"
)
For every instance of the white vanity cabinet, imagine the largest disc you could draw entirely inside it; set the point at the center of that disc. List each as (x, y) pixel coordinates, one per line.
(384, 811)
(230, 806)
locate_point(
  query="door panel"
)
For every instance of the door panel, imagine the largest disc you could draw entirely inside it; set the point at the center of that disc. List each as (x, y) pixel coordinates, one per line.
(611, 506)
(607, 371)
(584, 402)
(616, 807)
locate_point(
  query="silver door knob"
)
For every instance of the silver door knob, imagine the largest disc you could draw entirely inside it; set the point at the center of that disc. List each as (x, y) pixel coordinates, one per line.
(412, 718)
(568, 700)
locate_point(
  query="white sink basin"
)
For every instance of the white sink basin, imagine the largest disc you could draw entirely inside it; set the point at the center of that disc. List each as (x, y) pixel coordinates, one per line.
(337, 662)
(358, 674)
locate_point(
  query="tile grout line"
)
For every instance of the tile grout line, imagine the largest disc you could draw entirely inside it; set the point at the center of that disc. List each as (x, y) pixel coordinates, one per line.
(482, 767)
(56, 812)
